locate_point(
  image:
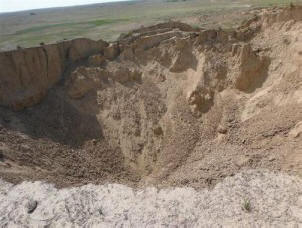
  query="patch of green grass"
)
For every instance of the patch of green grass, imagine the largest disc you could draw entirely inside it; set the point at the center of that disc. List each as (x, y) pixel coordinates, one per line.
(176, 0)
(42, 28)
(93, 23)
(267, 3)
(101, 22)
(33, 36)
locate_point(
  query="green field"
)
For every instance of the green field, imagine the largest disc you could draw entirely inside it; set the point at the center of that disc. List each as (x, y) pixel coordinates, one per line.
(108, 21)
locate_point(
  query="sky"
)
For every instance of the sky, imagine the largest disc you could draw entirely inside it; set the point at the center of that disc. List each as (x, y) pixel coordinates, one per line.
(19, 5)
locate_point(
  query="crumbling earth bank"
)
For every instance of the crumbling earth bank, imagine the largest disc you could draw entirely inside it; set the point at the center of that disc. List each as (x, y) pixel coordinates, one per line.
(167, 104)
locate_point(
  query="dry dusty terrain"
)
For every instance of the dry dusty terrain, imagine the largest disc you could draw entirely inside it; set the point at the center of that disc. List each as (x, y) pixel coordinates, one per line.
(165, 105)
(275, 201)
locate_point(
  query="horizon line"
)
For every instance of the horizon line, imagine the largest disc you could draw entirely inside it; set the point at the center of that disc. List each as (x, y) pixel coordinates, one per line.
(64, 6)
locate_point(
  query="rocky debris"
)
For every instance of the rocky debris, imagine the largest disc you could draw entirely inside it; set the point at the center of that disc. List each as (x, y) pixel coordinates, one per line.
(200, 100)
(297, 130)
(248, 199)
(147, 42)
(31, 206)
(96, 60)
(112, 51)
(210, 36)
(125, 75)
(157, 29)
(222, 129)
(82, 80)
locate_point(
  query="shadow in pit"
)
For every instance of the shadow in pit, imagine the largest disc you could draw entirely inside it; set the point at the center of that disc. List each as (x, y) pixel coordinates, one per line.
(55, 118)
(253, 75)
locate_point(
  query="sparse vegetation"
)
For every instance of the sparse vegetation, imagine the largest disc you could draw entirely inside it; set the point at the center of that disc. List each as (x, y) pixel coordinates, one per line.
(247, 205)
(109, 20)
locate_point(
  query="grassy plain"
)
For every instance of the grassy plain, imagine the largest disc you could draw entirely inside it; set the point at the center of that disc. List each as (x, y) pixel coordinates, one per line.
(108, 21)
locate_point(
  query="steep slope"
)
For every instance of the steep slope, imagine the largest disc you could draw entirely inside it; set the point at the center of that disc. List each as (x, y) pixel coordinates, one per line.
(167, 104)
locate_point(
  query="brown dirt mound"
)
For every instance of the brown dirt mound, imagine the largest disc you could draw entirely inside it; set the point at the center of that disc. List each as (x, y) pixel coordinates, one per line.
(166, 105)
